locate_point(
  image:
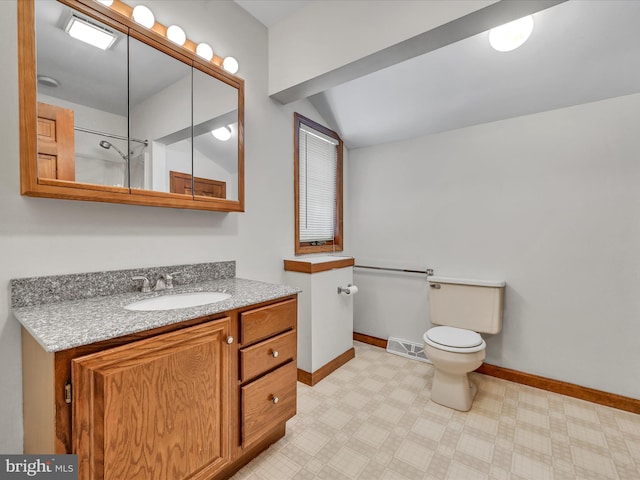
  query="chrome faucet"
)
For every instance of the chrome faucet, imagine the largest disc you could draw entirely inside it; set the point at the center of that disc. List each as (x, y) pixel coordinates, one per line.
(145, 283)
(165, 282)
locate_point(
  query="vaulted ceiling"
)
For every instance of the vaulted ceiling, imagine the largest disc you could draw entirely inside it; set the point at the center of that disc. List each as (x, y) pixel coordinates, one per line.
(580, 51)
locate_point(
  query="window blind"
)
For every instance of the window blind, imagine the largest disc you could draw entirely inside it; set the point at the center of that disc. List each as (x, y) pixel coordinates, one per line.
(318, 158)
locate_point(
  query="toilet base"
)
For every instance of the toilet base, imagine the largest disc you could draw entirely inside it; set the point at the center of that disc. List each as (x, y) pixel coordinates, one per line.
(453, 390)
(451, 386)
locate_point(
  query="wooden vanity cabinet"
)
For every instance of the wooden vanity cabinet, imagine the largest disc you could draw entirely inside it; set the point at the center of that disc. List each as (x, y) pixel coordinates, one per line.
(182, 401)
(268, 369)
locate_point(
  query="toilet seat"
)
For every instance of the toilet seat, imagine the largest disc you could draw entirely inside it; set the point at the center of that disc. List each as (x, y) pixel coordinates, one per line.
(452, 339)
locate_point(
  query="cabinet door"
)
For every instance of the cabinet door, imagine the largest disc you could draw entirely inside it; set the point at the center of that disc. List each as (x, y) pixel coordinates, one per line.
(153, 409)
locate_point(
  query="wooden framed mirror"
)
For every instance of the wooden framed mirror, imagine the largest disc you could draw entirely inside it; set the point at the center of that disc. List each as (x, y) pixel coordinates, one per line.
(133, 123)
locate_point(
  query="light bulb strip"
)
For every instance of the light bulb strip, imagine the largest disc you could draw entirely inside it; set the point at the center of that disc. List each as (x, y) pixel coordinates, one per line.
(127, 11)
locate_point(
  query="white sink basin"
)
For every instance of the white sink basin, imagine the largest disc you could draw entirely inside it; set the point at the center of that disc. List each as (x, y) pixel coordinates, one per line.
(180, 300)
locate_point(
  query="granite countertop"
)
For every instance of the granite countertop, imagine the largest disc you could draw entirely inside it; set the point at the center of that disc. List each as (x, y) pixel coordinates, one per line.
(62, 325)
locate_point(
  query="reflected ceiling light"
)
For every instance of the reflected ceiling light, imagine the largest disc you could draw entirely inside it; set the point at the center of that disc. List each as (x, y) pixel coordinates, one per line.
(511, 35)
(176, 35)
(90, 33)
(48, 81)
(223, 133)
(106, 3)
(230, 64)
(205, 51)
(143, 16)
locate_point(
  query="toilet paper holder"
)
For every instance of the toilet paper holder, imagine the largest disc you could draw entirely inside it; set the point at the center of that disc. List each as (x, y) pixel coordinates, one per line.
(348, 290)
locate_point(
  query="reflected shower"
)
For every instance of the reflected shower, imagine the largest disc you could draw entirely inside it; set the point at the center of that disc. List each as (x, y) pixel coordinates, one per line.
(107, 145)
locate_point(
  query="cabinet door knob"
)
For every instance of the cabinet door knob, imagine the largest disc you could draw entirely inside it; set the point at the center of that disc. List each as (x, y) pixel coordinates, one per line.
(274, 399)
(274, 354)
(229, 339)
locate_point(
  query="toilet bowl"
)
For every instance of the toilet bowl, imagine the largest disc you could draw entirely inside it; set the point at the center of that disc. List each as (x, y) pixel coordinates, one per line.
(460, 308)
(454, 353)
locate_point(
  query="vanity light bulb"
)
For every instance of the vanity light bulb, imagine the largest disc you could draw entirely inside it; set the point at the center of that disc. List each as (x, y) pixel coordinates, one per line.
(106, 3)
(230, 64)
(176, 35)
(511, 35)
(143, 16)
(223, 133)
(205, 51)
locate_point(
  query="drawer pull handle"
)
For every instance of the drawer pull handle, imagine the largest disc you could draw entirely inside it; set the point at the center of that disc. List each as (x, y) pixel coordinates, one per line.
(274, 399)
(229, 340)
(274, 354)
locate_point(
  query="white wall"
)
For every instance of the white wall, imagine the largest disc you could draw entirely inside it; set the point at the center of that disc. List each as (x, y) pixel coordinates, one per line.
(50, 237)
(548, 202)
(320, 37)
(166, 112)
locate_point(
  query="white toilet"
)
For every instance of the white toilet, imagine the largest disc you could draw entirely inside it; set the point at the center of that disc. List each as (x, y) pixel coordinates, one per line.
(461, 308)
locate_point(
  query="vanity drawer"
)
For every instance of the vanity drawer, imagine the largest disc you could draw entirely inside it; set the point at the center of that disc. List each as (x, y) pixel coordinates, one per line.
(261, 323)
(268, 402)
(264, 356)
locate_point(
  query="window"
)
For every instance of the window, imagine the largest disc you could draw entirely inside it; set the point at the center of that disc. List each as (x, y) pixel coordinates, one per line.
(318, 187)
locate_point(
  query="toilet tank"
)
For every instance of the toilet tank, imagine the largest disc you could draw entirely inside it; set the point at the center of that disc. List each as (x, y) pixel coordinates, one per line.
(471, 304)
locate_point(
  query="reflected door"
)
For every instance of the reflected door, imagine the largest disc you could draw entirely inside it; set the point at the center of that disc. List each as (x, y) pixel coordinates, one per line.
(55, 143)
(203, 187)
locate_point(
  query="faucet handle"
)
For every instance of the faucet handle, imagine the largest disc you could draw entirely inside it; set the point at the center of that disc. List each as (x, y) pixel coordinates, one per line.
(145, 283)
(169, 278)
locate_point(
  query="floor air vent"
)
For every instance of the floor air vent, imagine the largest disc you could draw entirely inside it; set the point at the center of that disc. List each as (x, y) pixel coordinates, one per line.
(408, 349)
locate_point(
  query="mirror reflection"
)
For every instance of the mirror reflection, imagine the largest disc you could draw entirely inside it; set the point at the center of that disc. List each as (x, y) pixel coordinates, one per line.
(215, 137)
(82, 100)
(160, 114)
(124, 115)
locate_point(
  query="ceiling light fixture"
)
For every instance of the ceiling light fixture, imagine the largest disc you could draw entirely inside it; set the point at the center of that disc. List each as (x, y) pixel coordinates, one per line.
(205, 51)
(48, 81)
(143, 16)
(176, 35)
(223, 133)
(230, 64)
(511, 35)
(87, 32)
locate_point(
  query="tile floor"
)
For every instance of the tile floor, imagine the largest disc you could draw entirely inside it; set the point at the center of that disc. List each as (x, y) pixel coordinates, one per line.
(373, 419)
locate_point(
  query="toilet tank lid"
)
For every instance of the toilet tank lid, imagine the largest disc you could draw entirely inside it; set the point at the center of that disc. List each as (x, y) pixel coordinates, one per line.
(467, 281)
